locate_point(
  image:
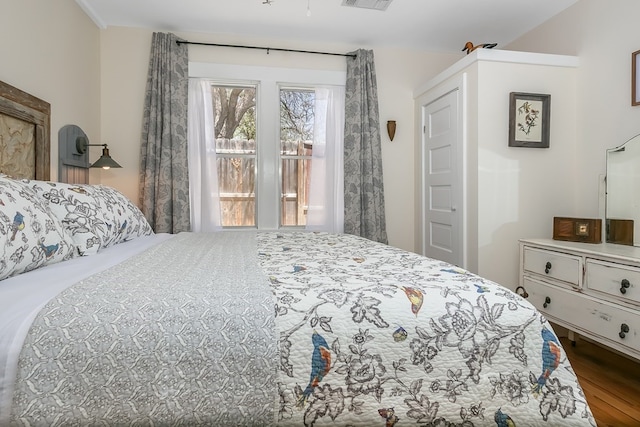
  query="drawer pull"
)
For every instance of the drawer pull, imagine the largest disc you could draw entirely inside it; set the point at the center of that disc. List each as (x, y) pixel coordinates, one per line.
(522, 292)
(547, 267)
(547, 301)
(624, 329)
(624, 285)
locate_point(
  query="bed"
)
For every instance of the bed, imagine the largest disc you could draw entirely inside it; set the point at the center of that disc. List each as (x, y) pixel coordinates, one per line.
(103, 322)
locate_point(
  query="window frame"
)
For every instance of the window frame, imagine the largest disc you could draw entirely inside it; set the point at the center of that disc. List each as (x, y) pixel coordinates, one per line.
(281, 156)
(268, 82)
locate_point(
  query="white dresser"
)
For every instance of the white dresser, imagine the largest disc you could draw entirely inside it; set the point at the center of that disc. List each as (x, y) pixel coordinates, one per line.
(590, 289)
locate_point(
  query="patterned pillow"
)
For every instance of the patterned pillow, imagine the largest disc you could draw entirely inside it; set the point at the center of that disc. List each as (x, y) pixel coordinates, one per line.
(96, 216)
(31, 236)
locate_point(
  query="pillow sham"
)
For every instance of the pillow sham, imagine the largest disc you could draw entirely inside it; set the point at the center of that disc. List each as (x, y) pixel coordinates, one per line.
(31, 236)
(96, 216)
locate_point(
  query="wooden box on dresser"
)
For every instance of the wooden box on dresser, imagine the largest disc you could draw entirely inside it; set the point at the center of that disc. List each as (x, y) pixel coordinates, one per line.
(591, 289)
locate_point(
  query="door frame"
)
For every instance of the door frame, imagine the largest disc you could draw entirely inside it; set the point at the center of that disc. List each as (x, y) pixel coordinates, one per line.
(456, 83)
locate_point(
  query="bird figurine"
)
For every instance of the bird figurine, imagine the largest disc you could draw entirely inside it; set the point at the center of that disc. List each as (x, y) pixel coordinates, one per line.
(17, 225)
(502, 419)
(389, 414)
(415, 297)
(470, 47)
(320, 365)
(49, 250)
(550, 358)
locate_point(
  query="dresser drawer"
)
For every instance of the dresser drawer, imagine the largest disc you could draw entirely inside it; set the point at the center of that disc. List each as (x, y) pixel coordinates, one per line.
(619, 280)
(555, 265)
(583, 313)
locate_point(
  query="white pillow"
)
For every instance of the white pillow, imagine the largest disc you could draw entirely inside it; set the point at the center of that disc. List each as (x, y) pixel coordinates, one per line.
(31, 236)
(96, 216)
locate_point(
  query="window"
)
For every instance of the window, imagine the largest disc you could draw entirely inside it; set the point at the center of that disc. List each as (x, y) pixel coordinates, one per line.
(235, 133)
(235, 130)
(265, 121)
(297, 107)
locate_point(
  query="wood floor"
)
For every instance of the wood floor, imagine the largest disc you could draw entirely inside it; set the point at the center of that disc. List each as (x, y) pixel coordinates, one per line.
(611, 383)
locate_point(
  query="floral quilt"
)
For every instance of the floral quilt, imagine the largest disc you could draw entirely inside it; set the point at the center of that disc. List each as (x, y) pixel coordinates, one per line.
(291, 329)
(373, 335)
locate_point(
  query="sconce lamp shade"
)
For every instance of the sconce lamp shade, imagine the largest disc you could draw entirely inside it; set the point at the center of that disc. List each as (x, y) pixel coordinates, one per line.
(105, 161)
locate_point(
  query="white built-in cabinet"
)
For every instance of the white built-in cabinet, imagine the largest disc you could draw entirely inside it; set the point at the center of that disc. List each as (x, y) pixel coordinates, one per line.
(498, 194)
(591, 289)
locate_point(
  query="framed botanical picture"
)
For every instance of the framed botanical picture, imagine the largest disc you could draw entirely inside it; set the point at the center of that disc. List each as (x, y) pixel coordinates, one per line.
(635, 83)
(529, 117)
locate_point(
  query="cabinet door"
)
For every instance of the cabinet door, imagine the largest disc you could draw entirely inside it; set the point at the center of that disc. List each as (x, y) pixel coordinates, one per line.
(554, 265)
(442, 181)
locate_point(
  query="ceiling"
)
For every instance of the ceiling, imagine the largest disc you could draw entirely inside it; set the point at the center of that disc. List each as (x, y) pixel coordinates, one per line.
(428, 25)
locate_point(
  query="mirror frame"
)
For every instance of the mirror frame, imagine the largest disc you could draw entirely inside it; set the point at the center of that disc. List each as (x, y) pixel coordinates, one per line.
(621, 180)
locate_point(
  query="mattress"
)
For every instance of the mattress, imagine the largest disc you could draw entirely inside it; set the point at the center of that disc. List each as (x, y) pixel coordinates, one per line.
(276, 328)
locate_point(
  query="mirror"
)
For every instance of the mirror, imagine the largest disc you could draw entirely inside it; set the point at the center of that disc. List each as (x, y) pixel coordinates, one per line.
(622, 210)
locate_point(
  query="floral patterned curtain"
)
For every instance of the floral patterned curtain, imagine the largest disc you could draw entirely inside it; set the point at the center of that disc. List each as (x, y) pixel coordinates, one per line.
(363, 186)
(164, 180)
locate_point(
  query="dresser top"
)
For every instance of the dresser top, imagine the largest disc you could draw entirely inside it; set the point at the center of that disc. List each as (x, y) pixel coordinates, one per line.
(622, 252)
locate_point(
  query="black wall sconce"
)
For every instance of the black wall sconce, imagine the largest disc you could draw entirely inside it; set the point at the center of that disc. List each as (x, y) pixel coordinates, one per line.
(105, 161)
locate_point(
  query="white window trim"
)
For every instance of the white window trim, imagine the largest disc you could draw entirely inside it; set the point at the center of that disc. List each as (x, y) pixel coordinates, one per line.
(269, 80)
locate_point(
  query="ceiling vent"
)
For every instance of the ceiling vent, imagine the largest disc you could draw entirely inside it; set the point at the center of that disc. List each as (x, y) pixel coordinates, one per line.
(368, 4)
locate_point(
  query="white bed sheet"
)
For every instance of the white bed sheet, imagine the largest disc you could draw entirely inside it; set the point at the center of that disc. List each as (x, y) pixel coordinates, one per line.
(22, 297)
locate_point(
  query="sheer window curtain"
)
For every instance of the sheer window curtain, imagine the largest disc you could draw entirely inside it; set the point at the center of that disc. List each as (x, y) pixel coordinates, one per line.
(204, 196)
(326, 190)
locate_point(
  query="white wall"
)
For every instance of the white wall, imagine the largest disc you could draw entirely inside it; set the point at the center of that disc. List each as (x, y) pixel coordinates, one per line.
(521, 189)
(50, 49)
(96, 79)
(603, 34)
(125, 56)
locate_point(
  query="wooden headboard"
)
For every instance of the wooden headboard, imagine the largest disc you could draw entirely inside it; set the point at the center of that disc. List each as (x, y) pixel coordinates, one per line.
(25, 134)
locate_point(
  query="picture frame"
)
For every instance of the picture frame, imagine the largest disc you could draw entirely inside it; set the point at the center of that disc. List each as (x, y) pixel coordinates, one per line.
(529, 119)
(635, 84)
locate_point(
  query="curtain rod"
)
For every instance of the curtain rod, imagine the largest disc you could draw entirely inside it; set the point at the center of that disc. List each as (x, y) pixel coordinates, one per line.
(350, 55)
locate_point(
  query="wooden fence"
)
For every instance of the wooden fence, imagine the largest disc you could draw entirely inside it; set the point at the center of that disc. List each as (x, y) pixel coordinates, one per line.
(236, 162)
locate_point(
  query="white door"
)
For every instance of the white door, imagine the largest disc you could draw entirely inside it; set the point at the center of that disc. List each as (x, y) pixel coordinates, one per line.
(442, 181)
